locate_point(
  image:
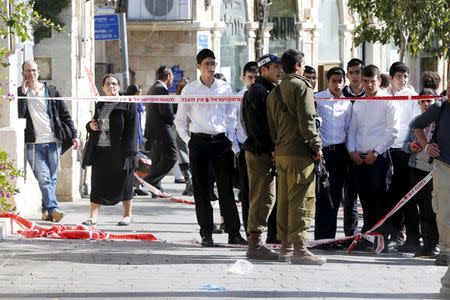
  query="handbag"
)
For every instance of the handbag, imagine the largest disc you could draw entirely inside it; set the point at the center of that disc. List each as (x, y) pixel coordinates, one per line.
(144, 165)
(88, 152)
(66, 137)
(65, 133)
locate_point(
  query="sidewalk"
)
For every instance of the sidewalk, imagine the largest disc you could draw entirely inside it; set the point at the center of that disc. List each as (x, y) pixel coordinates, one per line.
(178, 268)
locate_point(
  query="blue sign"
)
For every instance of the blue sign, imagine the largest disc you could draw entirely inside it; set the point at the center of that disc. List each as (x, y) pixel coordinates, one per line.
(106, 27)
(177, 75)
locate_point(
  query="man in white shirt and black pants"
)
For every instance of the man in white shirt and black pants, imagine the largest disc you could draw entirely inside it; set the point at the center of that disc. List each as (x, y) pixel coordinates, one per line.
(372, 131)
(209, 131)
(406, 111)
(335, 116)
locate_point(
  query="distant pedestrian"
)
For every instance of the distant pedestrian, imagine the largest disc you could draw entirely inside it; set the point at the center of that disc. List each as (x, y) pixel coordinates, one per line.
(160, 130)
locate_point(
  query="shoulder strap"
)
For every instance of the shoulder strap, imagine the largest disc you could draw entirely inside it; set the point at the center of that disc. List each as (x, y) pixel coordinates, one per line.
(284, 107)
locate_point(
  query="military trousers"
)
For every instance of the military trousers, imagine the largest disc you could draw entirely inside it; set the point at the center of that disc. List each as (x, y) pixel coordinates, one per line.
(296, 196)
(261, 183)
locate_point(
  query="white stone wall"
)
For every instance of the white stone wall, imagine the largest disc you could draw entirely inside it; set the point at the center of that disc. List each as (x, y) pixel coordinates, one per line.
(71, 56)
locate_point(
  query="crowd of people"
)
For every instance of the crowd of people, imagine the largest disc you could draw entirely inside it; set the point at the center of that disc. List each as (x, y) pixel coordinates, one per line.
(373, 148)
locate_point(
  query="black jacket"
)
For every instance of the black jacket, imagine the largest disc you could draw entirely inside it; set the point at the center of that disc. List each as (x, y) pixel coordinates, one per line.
(159, 116)
(255, 117)
(123, 132)
(57, 111)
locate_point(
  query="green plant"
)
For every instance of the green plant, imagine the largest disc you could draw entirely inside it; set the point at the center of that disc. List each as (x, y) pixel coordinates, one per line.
(49, 10)
(8, 176)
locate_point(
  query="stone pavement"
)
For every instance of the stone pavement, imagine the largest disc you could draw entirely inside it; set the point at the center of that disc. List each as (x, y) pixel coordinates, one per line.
(177, 268)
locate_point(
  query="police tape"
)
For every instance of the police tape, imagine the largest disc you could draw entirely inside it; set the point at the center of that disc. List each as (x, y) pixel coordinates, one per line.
(31, 230)
(207, 99)
(150, 188)
(371, 234)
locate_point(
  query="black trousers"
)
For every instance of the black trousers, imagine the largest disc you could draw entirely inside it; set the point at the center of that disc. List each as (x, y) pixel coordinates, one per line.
(164, 156)
(203, 150)
(426, 218)
(327, 204)
(399, 186)
(350, 202)
(372, 189)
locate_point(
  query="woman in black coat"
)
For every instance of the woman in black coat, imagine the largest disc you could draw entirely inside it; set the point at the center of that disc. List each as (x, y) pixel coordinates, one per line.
(114, 132)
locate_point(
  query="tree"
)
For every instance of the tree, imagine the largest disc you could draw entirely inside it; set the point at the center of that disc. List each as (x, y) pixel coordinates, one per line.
(413, 26)
(19, 18)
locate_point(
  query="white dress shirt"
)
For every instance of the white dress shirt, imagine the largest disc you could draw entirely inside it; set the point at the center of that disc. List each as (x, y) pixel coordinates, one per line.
(373, 125)
(241, 136)
(406, 112)
(207, 118)
(335, 115)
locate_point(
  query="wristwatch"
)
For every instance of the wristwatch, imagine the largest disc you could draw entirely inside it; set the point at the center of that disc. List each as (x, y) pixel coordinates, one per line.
(375, 153)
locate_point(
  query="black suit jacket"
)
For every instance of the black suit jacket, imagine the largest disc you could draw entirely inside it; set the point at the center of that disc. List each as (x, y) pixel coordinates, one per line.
(123, 123)
(159, 116)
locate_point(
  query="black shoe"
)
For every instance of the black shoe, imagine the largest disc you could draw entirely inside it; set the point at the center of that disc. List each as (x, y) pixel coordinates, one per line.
(189, 190)
(396, 241)
(364, 245)
(216, 229)
(409, 247)
(428, 251)
(207, 241)
(442, 260)
(89, 223)
(139, 192)
(236, 240)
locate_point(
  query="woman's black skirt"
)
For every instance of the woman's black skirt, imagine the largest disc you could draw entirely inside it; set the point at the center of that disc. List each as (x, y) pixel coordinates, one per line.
(109, 186)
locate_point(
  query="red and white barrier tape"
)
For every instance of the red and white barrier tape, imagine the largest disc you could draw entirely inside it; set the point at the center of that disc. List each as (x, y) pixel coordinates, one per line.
(31, 230)
(148, 187)
(215, 99)
(371, 234)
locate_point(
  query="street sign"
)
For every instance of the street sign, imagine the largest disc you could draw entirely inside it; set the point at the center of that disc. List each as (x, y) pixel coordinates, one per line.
(106, 27)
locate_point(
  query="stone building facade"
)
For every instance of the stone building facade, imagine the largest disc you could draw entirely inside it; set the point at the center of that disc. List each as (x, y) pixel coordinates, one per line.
(322, 29)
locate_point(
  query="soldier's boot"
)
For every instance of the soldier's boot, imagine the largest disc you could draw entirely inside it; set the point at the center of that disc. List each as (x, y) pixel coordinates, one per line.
(302, 256)
(286, 251)
(256, 249)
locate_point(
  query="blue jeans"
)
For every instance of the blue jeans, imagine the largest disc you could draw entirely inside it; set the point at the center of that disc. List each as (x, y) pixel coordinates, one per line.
(44, 161)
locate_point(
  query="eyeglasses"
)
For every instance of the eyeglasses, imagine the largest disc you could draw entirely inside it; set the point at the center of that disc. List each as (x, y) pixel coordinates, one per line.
(111, 83)
(428, 101)
(210, 63)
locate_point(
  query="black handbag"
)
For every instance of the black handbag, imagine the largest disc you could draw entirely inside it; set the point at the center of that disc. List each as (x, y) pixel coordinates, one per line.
(66, 137)
(144, 165)
(88, 152)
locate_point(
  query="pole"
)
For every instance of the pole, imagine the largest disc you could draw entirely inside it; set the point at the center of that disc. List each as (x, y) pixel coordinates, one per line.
(124, 49)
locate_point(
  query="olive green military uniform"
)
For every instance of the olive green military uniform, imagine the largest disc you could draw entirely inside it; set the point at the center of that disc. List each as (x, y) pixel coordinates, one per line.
(293, 129)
